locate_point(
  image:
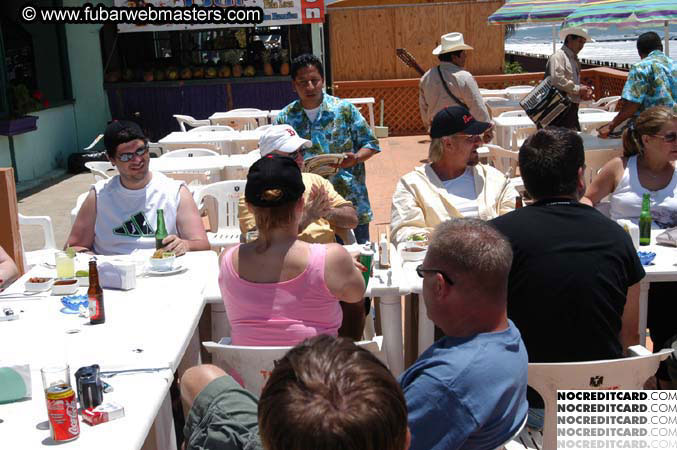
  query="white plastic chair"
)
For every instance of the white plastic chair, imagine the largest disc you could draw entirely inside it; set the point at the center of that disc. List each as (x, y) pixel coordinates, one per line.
(239, 110)
(502, 158)
(155, 148)
(227, 195)
(591, 110)
(263, 127)
(496, 99)
(190, 152)
(519, 135)
(547, 378)
(595, 160)
(49, 248)
(238, 123)
(212, 128)
(516, 113)
(606, 102)
(190, 121)
(101, 170)
(255, 364)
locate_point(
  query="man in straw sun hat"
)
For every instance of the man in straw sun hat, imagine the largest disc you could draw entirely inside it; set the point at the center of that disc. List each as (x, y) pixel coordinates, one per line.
(565, 70)
(449, 84)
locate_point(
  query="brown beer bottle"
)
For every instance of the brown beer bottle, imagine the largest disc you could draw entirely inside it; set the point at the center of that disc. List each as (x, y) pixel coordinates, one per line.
(97, 312)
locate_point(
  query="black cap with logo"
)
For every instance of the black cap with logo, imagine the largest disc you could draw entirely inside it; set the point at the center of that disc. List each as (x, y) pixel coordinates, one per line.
(456, 119)
(274, 172)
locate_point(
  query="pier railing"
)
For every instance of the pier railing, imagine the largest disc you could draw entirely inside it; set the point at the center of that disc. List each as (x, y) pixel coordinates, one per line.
(400, 97)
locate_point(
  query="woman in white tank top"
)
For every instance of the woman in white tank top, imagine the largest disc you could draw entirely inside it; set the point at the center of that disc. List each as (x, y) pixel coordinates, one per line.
(647, 166)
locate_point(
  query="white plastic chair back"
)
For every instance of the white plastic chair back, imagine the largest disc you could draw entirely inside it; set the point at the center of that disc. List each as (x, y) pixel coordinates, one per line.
(595, 160)
(519, 135)
(212, 128)
(189, 152)
(519, 87)
(155, 149)
(263, 127)
(496, 99)
(227, 195)
(502, 159)
(239, 110)
(547, 378)
(101, 170)
(190, 121)
(34, 257)
(238, 123)
(591, 110)
(516, 113)
(254, 154)
(255, 364)
(606, 101)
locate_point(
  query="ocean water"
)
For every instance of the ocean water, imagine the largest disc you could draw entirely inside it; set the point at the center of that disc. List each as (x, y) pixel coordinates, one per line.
(612, 45)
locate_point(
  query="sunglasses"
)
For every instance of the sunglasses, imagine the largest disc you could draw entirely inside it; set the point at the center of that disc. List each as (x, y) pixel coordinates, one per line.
(421, 271)
(669, 137)
(300, 152)
(128, 156)
(470, 137)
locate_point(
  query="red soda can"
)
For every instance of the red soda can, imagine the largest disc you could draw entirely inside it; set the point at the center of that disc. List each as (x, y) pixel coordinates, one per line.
(63, 412)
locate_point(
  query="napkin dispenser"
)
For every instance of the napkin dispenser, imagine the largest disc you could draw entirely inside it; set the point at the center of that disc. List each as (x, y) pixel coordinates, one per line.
(117, 275)
(15, 383)
(632, 229)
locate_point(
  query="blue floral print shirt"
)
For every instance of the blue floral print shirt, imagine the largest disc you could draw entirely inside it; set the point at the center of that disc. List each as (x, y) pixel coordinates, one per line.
(652, 82)
(338, 128)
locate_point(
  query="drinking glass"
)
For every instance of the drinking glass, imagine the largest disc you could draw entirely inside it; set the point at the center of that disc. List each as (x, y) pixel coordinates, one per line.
(55, 375)
(65, 265)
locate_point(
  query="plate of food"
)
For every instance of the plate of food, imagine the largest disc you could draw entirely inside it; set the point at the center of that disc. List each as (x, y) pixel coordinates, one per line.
(162, 261)
(38, 284)
(65, 286)
(415, 249)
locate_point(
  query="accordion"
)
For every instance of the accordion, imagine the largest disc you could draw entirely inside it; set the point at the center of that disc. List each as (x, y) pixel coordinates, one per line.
(544, 103)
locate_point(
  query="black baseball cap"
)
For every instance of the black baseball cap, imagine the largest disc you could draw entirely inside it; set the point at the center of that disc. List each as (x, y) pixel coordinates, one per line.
(455, 119)
(274, 172)
(119, 132)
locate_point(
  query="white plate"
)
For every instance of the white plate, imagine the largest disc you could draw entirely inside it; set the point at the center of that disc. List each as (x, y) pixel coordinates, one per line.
(162, 273)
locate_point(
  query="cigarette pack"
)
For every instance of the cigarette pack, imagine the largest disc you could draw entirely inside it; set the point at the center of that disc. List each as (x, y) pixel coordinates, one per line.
(105, 412)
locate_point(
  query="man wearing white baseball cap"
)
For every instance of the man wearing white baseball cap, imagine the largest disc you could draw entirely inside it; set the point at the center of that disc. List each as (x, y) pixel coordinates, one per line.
(449, 84)
(325, 212)
(565, 70)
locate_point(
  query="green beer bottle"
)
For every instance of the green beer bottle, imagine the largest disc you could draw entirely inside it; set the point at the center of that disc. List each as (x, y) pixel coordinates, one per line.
(645, 221)
(160, 230)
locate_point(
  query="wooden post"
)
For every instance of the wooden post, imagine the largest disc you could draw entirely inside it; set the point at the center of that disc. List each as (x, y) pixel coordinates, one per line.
(10, 239)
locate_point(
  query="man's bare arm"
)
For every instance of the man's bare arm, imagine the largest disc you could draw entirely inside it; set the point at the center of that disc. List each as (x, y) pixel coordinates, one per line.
(81, 237)
(342, 217)
(628, 109)
(189, 224)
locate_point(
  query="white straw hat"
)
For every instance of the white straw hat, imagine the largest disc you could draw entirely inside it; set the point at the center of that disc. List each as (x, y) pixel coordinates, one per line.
(451, 42)
(582, 32)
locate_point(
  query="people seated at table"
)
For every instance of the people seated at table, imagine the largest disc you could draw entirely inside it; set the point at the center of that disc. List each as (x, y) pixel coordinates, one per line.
(325, 212)
(453, 184)
(326, 393)
(333, 126)
(119, 214)
(647, 166)
(279, 290)
(650, 82)
(573, 288)
(8, 270)
(468, 390)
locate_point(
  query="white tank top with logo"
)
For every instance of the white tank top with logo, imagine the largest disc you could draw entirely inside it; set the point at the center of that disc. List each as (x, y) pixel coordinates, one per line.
(126, 218)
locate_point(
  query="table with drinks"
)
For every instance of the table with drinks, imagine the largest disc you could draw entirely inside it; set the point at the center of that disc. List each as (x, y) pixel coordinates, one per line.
(136, 336)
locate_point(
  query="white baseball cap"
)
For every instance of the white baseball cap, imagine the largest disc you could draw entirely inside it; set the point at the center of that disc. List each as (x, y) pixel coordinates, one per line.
(283, 138)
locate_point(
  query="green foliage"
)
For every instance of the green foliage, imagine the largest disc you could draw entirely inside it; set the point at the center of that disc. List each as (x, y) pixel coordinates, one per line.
(513, 67)
(24, 102)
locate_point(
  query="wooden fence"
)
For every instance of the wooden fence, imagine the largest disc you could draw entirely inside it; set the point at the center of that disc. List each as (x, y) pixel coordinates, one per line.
(400, 97)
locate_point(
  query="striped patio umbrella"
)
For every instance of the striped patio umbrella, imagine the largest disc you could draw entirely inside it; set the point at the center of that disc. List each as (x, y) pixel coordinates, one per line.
(534, 11)
(624, 14)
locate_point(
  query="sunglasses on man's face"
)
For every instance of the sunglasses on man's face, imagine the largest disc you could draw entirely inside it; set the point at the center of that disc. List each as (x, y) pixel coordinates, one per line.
(420, 271)
(128, 156)
(668, 137)
(300, 152)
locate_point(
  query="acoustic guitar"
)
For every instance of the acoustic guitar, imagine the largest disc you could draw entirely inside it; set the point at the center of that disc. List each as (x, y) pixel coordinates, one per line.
(409, 60)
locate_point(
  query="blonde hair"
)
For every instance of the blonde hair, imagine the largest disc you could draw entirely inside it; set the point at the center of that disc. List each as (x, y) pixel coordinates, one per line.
(269, 218)
(436, 150)
(648, 123)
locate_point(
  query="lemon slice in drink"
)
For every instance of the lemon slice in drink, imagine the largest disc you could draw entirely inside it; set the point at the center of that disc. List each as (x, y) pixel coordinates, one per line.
(70, 251)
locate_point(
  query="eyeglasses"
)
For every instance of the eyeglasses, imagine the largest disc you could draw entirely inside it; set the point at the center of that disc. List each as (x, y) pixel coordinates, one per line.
(420, 271)
(470, 137)
(128, 156)
(300, 152)
(669, 137)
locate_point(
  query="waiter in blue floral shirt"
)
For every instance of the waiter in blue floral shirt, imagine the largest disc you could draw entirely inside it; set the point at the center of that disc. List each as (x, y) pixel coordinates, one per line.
(334, 126)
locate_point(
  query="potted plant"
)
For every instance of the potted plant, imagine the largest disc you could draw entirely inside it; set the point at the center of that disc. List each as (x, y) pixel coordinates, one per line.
(22, 102)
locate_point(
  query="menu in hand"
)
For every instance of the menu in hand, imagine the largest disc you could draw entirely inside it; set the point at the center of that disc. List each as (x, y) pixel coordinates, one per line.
(323, 165)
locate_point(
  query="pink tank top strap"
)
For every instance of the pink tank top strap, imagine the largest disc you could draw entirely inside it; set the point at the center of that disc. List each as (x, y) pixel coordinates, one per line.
(227, 261)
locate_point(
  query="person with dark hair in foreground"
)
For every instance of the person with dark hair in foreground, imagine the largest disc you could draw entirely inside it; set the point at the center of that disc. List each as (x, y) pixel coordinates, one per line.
(325, 393)
(119, 214)
(573, 290)
(468, 390)
(651, 82)
(334, 126)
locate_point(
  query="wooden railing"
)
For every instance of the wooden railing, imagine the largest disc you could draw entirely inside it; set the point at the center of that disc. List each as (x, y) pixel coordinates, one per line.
(400, 97)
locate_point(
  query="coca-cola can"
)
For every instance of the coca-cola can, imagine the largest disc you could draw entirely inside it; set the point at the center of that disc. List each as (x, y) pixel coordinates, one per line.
(63, 412)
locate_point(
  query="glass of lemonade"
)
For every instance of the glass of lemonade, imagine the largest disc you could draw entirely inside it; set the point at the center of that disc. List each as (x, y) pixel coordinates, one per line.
(65, 265)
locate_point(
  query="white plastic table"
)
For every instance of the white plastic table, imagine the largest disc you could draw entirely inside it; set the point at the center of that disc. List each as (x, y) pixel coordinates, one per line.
(496, 107)
(219, 118)
(229, 142)
(369, 101)
(506, 125)
(219, 168)
(517, 93)
(151, 326)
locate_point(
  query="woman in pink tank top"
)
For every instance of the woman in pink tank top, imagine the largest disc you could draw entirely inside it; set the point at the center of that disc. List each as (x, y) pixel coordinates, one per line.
(278, 290)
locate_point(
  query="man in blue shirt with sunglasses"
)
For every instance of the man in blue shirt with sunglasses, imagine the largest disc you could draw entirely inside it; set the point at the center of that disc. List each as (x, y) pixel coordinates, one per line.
(468, 390)
(120, 214)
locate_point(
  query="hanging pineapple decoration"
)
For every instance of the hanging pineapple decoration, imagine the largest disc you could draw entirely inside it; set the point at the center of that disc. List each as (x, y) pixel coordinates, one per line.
(241, 37)
(267, 66)
(284, 57)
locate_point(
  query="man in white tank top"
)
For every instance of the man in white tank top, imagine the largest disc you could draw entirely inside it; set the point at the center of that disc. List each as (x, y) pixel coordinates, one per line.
(120, 214)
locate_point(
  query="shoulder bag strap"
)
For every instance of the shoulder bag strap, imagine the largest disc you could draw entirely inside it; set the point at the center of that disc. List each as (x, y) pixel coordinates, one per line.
(446, 88)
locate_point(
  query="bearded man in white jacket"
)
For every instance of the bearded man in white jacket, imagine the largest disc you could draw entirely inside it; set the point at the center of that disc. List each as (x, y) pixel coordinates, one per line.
(454, 183)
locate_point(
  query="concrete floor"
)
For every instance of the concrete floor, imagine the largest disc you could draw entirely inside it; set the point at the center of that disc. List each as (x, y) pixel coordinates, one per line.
(399, 155)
